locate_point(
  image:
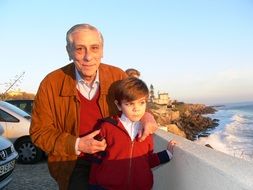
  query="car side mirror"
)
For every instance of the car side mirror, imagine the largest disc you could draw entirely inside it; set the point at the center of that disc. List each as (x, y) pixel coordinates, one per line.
(1, 130)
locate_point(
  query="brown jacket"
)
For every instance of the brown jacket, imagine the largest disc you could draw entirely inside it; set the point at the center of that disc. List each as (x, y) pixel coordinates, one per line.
(55, 116)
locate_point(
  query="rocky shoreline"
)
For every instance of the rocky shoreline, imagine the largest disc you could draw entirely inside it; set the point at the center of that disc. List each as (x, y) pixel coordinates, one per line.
(186, 120)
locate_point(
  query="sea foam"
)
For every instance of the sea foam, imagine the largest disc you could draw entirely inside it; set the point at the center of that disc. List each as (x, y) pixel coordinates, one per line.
(234, 135)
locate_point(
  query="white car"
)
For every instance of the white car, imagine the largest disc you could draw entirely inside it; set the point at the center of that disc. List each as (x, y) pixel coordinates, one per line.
(16, 124)
(8, 157)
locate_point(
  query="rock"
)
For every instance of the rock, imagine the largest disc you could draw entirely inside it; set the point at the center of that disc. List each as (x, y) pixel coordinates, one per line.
(185, 120)
(173, 128)
(175, 115)
(208, 145)
(164, 117)
(193, 124)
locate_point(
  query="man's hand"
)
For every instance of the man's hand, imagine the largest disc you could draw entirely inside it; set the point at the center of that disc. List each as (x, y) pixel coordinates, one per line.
(149, 126)
(88, 144)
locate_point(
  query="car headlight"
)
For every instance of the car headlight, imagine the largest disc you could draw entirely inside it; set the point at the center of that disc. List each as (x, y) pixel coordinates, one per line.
(12, 149)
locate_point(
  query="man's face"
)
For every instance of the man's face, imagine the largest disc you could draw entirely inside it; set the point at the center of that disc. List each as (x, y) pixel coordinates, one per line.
(86, 51)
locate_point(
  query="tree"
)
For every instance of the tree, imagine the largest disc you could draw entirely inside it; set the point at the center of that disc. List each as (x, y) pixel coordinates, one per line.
(12, 83)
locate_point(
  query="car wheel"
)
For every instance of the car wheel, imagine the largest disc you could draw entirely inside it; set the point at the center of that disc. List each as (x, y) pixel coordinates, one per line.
(28, 153)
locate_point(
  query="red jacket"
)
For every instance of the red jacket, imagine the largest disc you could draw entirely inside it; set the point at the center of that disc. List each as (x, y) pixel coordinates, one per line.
(126, 164)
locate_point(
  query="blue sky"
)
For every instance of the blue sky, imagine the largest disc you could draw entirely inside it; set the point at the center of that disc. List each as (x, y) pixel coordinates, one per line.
(196, 50)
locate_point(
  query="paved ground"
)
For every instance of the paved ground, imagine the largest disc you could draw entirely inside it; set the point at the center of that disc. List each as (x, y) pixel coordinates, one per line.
(32, 177)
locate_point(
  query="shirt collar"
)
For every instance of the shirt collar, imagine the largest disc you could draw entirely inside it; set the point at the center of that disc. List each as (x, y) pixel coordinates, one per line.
(80, 79)
(131, 127)
(125, 120)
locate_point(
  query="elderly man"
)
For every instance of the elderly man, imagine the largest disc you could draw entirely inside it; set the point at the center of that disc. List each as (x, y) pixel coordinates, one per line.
(69, 104)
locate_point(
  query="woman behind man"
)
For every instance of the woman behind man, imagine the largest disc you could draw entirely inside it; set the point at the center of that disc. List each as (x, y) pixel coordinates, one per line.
(133, 73)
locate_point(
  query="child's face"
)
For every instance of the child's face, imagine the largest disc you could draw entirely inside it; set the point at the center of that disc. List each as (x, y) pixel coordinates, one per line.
(133, 110)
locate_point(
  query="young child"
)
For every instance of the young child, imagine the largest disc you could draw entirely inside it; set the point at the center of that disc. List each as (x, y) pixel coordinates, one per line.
(126, 163)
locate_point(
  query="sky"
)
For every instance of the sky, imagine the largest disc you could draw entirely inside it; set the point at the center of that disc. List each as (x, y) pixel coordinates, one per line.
(198, 51)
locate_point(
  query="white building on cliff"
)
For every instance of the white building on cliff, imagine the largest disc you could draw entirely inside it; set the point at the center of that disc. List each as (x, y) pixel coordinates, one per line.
(162, 99)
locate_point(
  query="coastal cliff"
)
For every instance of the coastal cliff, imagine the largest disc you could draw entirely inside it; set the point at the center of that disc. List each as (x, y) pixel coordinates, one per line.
(186, 120)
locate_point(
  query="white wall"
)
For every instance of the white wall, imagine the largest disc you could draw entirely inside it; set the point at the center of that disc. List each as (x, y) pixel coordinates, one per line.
(196, 167)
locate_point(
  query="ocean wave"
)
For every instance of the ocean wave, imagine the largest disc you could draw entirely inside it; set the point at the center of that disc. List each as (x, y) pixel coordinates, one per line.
(234, 134)
(239, 118)
(234, 138)
(228, 144)
(216, 140)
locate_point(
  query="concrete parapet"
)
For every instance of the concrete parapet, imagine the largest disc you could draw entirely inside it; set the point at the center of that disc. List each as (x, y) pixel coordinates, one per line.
(198, 167)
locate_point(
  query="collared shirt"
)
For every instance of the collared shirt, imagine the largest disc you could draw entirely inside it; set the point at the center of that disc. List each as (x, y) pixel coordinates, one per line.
(86, 90)
(131, 127)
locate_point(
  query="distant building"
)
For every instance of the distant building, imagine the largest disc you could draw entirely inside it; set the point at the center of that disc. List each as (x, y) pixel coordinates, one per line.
(162, 99)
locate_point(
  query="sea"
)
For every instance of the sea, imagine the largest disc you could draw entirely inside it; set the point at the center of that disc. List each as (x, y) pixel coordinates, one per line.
(234, 134)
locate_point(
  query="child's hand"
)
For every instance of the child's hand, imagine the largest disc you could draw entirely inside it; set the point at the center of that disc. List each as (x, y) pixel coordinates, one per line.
(171, 145)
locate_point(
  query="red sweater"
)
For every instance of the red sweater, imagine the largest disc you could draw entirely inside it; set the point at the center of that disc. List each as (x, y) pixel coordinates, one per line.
(90, 114)
(127, 164)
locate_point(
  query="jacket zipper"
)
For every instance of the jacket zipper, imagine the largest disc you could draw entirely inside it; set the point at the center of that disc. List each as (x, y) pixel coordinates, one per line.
(130, 158)
(130, 165)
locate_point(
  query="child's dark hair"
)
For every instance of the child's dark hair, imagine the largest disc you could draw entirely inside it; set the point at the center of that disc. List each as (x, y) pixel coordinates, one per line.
(131, 89)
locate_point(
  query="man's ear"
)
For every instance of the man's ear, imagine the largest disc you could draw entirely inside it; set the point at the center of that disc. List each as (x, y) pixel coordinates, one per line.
(102, 53)
(117, 104)
(69, 52)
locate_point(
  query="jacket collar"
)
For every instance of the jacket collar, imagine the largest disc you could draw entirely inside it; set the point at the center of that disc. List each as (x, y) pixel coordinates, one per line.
(104, 83)
(69, 83)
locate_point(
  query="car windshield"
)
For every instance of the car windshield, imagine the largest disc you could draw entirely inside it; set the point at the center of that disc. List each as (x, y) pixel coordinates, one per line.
(15, 109)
